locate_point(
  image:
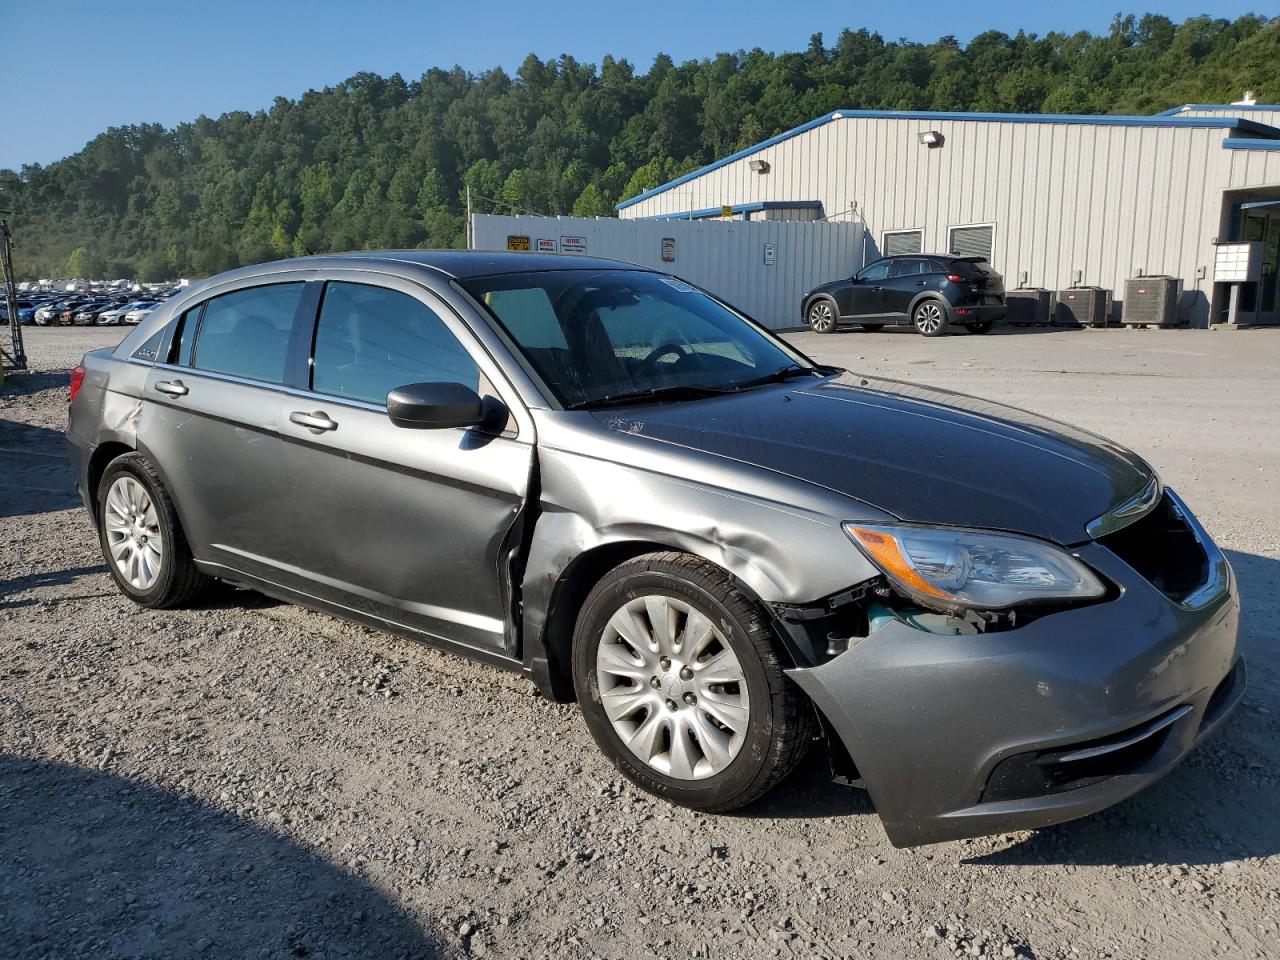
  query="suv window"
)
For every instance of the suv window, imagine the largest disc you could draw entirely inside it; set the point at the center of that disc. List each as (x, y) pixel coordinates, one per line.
(877, 271)
(911, 267)
(370, 340)
(246, 333)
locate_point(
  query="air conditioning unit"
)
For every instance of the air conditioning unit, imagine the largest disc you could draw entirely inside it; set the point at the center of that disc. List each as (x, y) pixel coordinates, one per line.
(1081, 307)
(1028, 306)
(1150, 302)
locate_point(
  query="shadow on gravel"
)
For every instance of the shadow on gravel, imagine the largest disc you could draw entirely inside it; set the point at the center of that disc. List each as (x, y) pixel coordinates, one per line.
(22, 384)
(36, 477)
(52, 578)
(92, 865)
(810, 793)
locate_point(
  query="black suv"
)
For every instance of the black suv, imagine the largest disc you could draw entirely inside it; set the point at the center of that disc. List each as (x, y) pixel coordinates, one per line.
(929, 291)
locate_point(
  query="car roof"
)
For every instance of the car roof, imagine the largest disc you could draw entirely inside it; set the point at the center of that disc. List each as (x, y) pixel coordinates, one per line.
(464, 264)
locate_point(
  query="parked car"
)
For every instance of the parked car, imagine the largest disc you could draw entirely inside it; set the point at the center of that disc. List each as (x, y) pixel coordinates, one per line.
(600, 476)
(88, 312)
(115, 314)
(68, 310)
(48, 314)
(932, 292)
(25, 310)
(140, 310)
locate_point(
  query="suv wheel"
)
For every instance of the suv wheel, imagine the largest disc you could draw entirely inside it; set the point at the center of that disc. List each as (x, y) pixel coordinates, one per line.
(822, 316)
(142, 543)
(680, 681)
(930, 318)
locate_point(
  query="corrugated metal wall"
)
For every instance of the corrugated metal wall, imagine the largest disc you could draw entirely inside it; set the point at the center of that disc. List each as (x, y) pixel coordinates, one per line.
(726, 257)
(1103, 202)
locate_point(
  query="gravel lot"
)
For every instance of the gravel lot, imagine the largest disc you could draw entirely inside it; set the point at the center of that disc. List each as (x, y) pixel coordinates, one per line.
(248, 779)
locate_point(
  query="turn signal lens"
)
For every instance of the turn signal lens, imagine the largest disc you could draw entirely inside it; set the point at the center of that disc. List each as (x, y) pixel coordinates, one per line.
(951, 568)
(77, 378)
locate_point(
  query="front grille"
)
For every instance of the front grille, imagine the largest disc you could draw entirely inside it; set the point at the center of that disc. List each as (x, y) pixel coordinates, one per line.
(1163, 549)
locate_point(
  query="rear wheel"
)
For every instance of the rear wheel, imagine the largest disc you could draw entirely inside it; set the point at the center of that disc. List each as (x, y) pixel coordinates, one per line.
(930, 318)
(821, 316)
(980, 326)
(142, 542)
(680, 681)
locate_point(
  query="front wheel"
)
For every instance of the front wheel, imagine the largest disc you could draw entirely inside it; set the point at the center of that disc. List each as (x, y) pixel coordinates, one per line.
(821, 316)
(930, 318)
(680, 681)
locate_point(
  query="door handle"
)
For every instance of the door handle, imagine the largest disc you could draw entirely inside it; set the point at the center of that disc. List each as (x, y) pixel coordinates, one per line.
(317, 422)
(174, 388)
(919, 283)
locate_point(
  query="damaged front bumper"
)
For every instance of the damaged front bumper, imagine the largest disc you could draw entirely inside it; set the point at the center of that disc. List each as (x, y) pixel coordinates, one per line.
(962, 736)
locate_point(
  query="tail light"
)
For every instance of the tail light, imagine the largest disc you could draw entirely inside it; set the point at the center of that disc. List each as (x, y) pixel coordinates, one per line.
(77, 378)
(956, 278)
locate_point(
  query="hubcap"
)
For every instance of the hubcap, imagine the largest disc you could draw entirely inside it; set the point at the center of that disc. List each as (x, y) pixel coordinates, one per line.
(133, 533)
(928, 317)
(821, 316)
(672, 687)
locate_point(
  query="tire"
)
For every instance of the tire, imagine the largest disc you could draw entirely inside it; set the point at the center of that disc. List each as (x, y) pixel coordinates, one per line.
(721, 767)
(872, 327)
(930, 318)
(822, 316)
(130, 484)
(980, 326)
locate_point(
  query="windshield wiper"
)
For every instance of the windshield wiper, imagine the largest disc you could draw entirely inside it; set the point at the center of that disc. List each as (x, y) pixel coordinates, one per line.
(778, 376)
(678, 391)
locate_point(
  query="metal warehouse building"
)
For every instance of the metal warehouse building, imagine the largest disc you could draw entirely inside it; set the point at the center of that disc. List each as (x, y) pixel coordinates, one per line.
(1053, 201)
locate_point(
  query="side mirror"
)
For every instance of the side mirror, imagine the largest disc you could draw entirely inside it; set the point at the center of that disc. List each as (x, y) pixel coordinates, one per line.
(433, 406)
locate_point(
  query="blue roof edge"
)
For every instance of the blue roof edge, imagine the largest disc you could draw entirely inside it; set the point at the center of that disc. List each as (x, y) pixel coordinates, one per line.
(1250, 143)
(751, 207)
(1174, 111)
(1093, 119)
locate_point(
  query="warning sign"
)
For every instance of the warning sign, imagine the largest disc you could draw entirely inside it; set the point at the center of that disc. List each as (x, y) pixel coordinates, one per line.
(517, 243)
(668, 249)
(573, 244)
(726, 211)
(770, 254)
(546, 245)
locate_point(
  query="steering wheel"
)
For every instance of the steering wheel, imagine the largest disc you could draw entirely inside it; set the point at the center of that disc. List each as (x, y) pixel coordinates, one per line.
(649, 364)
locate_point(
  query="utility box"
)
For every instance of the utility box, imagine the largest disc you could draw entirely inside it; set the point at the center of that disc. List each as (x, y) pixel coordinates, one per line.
(1150, 302)
(1028, 306)
(1081, 307)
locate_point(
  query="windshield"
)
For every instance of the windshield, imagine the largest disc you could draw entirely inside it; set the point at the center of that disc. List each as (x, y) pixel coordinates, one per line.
(599, 336)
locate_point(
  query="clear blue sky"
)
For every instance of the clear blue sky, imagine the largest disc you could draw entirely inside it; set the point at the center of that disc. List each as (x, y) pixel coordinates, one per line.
(75, 68)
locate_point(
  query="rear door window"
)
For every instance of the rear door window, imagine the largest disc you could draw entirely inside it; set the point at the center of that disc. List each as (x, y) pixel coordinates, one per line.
(246, 333)
(370, 340)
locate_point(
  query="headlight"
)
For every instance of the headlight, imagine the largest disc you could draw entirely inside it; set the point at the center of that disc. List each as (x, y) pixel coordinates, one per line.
(952, 568)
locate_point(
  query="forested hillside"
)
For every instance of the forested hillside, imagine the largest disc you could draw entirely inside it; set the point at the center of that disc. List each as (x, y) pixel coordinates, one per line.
(382, 162)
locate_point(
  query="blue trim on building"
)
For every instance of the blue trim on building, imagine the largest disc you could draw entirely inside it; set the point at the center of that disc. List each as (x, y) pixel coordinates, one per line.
(755, 207)
(1255, 204)
(1174, 111)
(1221, 123)
(1250, 143)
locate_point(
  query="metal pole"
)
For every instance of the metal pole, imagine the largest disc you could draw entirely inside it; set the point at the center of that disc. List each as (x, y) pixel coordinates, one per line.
(18, 361)
(468, 216)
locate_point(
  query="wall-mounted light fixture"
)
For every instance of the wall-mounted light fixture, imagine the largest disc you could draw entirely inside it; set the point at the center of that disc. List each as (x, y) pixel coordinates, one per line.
(930, 138)
(759, 166)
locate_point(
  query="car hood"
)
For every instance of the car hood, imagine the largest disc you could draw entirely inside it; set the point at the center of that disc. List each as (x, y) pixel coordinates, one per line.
(922, 454)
